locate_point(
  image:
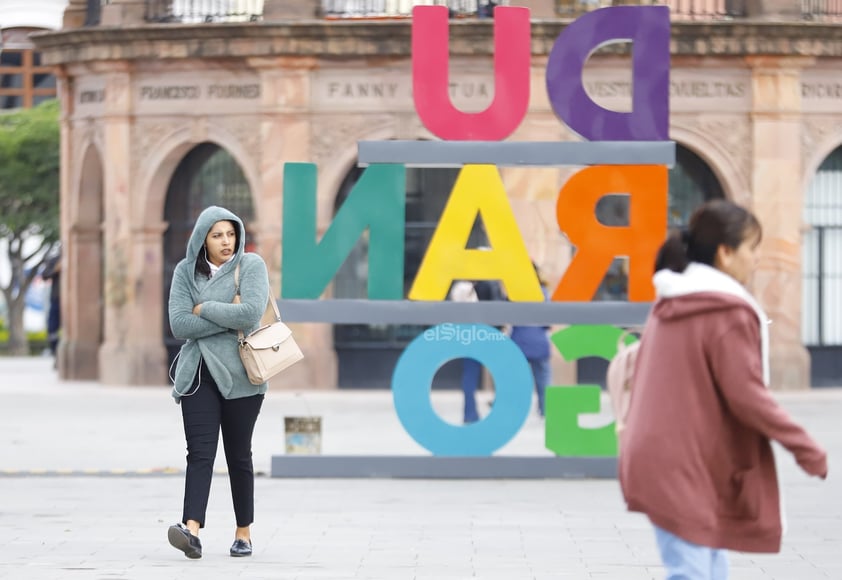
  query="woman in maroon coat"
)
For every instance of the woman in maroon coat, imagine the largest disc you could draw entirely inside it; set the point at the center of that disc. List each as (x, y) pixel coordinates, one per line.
(696, 455)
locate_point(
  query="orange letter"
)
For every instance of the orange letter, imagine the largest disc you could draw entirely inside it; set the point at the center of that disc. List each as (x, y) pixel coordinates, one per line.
(596, 244)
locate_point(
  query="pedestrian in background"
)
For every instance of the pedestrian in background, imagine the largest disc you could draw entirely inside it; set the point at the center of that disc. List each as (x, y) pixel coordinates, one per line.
(210, 381)
(696, 455)
(52, 272)
(466, 291)
(535, 344)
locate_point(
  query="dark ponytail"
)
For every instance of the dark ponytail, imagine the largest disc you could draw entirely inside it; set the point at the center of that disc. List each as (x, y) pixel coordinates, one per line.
(673, 252)
(715, 223)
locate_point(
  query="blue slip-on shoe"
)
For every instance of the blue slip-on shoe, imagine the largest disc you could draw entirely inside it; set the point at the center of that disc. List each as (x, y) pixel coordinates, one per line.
(241, 548)
(181, 539)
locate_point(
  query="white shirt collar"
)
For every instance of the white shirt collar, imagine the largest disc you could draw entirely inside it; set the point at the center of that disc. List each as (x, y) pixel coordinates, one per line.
(213, 268)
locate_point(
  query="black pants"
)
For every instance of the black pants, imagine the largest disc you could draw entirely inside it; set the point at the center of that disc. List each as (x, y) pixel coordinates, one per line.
(204, 413)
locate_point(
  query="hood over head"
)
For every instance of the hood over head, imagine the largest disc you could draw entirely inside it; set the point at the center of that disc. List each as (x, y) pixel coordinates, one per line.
(204, 223)
(697, 303)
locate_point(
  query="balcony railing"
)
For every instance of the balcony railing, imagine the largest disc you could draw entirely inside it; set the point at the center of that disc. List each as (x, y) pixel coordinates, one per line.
(196, 11)
(680, 9)
(207, 11)
(403, 8)
(817, 10)
(822, 10)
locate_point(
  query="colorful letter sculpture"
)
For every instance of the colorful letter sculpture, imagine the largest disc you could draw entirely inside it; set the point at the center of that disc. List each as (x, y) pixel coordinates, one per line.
(376, 204)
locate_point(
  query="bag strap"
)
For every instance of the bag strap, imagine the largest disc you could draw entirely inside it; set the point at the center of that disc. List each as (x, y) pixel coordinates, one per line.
(274, 306)
(271, 306)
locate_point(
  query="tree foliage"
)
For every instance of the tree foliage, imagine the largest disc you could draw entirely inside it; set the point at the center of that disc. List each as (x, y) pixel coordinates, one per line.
(29, 203)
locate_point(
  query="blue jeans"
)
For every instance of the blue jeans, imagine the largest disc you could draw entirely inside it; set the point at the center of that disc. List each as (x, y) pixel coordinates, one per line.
(541, 375)
(471, 375)
(686, 561)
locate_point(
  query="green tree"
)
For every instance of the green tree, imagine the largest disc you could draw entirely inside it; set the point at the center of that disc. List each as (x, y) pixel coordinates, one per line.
(29, 204)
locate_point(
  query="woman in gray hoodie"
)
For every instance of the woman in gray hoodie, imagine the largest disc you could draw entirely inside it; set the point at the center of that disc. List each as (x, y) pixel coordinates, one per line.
(210, 383)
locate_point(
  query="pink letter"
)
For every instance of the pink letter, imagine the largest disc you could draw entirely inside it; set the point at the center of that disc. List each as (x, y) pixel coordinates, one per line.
(431, 78)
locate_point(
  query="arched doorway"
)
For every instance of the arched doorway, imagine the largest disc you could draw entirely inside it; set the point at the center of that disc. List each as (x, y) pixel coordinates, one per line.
(367, 353)
(821, 251)
(691, 183)
(208, 175)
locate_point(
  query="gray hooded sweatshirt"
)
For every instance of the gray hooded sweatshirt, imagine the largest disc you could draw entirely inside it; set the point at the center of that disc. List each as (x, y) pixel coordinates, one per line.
(212, 336)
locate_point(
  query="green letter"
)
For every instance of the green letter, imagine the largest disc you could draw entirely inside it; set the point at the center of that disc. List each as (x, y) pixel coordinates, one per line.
(376, 203)
(564, 404)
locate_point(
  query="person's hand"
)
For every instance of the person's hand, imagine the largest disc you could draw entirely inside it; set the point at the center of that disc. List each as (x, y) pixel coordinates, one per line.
(821, 472)
(815, 466)
(197, 310)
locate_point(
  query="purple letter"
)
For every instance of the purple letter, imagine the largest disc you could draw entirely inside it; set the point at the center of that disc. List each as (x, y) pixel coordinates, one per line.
(648, 28)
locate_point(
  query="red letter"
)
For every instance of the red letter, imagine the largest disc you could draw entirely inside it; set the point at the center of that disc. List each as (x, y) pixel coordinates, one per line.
(431, 78)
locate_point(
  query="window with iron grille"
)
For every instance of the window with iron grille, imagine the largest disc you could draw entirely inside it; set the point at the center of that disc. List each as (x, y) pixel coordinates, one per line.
(821, 297)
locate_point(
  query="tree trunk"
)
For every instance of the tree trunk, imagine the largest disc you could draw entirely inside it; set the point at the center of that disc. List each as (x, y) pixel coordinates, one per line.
(18, 345)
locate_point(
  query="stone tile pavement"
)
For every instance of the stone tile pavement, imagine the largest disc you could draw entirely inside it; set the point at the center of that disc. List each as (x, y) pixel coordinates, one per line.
(111, 523)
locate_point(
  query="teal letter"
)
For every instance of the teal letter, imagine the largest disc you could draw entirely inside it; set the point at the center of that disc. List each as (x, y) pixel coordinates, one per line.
(563, 435)
(376, 202)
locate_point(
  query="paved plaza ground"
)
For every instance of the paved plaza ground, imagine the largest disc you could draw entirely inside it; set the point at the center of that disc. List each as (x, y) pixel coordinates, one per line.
(91, 476)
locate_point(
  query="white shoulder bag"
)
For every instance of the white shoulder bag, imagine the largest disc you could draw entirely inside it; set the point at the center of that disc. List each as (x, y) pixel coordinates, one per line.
(271, 348)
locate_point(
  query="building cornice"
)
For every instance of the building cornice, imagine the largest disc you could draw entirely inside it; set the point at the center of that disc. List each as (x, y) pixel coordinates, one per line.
(337, 39)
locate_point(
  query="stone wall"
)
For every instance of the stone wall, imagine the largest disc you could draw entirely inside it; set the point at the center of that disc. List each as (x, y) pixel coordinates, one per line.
(137, 100)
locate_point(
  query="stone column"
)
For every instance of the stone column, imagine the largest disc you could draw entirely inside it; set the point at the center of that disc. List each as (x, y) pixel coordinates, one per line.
(285, 130)
(146, 338)
(274, 10)
(75, 14)
(538, 8)
(132, 352)
(65, 95)
(82, 309)
(771, 9)
(81, 217)
(124, 13)
(778, 200)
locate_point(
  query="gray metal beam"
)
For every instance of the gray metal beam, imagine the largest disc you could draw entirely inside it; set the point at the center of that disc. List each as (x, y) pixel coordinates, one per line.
(513, 153)
(358, 311)
(431, 467)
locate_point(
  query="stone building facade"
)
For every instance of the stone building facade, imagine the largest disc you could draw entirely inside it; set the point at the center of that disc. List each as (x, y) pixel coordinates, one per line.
(755, 103)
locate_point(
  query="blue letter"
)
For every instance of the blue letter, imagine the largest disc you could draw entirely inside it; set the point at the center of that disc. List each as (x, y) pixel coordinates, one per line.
(413, 379)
